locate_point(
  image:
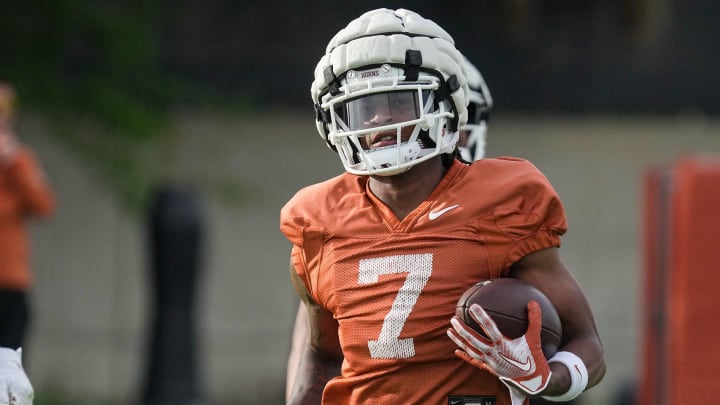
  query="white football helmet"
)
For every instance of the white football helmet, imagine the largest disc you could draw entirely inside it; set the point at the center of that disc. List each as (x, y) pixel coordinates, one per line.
(478, 113)
(390, 92)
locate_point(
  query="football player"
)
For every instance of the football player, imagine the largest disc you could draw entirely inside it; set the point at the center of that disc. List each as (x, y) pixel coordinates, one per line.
(381, 253)
(471, 146)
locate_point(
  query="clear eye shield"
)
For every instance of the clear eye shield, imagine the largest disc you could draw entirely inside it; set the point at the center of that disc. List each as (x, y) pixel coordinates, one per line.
(380, 109)
(384, 111)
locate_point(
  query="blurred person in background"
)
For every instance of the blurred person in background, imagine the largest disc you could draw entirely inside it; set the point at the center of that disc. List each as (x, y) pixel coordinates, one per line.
(390, 95)
(24, 194)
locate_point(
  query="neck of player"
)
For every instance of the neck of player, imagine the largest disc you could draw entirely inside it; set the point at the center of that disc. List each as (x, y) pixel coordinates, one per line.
(403, 192)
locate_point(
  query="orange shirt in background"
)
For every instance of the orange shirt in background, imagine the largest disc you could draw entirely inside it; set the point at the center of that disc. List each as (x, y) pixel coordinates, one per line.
(24, 193)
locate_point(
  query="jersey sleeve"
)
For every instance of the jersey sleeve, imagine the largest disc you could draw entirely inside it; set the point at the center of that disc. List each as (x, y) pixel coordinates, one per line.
(534, 217)
(306, 239)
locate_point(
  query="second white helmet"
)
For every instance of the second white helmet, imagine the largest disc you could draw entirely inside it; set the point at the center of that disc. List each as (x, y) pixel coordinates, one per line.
(480, 104)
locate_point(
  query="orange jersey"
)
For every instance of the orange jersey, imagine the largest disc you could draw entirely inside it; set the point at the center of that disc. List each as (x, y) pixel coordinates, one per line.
(393, 285)
(23, 193)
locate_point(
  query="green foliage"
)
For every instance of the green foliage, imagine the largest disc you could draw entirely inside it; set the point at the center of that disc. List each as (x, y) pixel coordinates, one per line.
(97, 58)
(95, 63)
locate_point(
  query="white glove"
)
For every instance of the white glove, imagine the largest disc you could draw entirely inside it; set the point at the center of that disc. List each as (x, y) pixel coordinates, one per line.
(517, 362)
(15, 388)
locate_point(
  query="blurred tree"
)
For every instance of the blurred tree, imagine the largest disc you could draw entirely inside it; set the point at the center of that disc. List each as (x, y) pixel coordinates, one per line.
(94, 68)
(88, 59)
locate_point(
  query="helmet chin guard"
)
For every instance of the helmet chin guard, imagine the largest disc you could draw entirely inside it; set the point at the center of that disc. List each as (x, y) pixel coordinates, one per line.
(390, 92)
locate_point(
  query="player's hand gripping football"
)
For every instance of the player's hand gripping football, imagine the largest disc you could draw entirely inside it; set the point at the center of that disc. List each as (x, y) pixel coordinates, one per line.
(15, 388)
(517, 362)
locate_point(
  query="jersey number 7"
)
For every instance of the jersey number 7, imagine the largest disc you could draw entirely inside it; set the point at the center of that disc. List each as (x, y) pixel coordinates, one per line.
(419, 267)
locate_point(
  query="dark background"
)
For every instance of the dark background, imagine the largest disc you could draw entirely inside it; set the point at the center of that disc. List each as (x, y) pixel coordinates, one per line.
(639, 56)
(143, 57)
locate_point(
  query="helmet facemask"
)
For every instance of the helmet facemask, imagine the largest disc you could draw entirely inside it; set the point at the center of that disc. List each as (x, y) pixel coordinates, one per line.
(382, 124)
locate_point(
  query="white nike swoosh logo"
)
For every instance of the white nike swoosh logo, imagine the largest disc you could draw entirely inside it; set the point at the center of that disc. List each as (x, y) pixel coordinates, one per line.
(526, 366)
(433, 215)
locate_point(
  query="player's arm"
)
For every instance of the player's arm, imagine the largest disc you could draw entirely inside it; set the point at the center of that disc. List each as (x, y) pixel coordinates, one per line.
(299, 336)
(320, 356)
(545, 270)
(297, 341)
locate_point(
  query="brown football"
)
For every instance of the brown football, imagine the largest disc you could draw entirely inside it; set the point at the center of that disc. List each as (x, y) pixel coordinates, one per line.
(505, 300)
